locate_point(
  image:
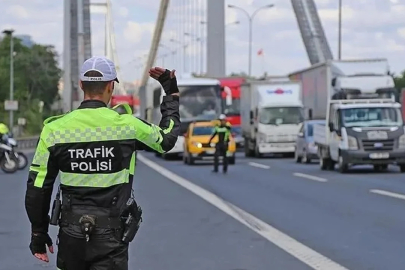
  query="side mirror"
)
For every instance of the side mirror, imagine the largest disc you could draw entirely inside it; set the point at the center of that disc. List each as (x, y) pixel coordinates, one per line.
(228, 93)
(251, 115)
(301, 135)
(333, 82)
(331, 127)
(310, 114)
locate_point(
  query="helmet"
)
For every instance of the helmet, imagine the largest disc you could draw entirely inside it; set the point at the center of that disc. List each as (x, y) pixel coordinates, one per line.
(222, 117)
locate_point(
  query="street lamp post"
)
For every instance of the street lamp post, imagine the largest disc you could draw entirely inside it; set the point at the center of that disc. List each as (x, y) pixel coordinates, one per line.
(340, 31)
(184, 53)
(10, 34)
(250, 17)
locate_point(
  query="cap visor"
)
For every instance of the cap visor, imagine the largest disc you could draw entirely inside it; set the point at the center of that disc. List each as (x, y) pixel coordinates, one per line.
(116, 79)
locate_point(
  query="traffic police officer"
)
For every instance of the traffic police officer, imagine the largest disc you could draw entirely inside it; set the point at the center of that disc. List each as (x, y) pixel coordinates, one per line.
(223, 130)
(93, 148)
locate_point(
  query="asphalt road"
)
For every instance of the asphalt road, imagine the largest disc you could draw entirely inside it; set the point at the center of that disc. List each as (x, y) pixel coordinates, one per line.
(300, 218)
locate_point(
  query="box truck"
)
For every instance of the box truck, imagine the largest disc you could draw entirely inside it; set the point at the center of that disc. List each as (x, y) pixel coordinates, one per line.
(271, 115)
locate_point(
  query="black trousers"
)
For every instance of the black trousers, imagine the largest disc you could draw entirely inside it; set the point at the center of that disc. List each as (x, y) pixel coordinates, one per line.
(104, 251)
(220, 150)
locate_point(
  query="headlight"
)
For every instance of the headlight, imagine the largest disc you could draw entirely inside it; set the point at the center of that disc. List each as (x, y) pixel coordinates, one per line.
(352, 143)
(197, 144)
(401, 142)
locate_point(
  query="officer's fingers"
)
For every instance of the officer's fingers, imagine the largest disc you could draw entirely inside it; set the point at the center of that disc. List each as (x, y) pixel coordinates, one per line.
(159, 69)
(51, 249)
(42, 257)
(155, 73)
(173, 73)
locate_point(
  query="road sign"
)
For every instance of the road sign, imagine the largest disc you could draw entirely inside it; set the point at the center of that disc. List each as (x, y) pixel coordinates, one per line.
(11, 105)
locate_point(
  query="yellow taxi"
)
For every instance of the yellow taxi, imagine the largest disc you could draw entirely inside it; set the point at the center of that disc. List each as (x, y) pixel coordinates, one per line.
(196, 145)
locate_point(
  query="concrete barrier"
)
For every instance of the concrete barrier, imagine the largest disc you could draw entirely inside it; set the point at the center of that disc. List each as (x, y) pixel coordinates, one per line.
(27, 143)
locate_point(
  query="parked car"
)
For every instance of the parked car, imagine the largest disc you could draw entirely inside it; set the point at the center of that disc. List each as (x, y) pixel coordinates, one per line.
(305, 148)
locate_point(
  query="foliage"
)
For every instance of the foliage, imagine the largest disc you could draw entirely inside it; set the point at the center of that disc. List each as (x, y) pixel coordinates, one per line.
(36, 78)
(400, 81)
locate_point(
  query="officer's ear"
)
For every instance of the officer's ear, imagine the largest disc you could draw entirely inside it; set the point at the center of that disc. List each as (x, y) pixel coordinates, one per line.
(110, 88)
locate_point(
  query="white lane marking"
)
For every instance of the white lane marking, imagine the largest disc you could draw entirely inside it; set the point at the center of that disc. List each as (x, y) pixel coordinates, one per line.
(311, 177)
(258, 165)
(283, 241)
(388, 193)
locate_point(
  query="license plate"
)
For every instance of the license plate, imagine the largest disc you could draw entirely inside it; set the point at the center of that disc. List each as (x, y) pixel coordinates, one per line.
(379, 155)
(210, 152)
(280, 145)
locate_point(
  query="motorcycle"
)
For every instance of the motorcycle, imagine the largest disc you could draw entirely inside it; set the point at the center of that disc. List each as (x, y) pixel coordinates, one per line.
(21, 157)
(8, 161)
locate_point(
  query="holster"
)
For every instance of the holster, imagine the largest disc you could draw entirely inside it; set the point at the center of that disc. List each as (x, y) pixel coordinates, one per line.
(133, 221)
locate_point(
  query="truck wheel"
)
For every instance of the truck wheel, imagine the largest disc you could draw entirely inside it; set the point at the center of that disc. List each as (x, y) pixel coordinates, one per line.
(248, 152)
(331, 166)
(343, 167)
(402, 167)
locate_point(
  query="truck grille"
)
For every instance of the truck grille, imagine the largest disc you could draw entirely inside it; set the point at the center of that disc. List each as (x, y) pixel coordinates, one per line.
(281, 138)
(378, 145)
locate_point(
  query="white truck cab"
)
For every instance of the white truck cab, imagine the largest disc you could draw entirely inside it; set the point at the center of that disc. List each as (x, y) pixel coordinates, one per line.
(361, 131)
(272, 114)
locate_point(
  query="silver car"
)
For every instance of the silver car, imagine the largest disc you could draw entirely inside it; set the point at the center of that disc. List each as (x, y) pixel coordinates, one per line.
(305, 149)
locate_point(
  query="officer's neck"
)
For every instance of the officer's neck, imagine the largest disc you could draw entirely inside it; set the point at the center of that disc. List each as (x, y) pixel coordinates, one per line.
(98, 98)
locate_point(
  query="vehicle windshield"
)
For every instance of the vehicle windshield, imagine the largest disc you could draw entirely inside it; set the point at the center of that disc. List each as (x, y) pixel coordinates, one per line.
(199, 101)
(281, 115)
(371, 117)
(233, 109)
(202, 131)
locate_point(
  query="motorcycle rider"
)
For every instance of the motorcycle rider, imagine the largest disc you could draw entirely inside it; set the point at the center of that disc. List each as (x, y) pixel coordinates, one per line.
(223, 131)
(94, 150)
(3, 132)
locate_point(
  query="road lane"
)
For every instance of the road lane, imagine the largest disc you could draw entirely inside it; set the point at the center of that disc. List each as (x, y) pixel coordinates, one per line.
(340, 219)
(180, 231)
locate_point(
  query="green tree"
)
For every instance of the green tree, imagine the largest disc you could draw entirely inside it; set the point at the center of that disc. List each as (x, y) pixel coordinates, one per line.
(36, 78)
(400, 81)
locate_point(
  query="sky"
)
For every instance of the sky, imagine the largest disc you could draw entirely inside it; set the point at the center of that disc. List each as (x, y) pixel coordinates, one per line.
(371, 29)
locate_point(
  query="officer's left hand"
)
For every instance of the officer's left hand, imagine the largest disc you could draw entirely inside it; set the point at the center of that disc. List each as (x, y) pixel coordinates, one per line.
(38, 244)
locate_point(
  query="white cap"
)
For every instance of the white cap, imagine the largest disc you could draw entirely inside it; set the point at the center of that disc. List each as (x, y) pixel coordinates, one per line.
(102, 65)
(222, 117)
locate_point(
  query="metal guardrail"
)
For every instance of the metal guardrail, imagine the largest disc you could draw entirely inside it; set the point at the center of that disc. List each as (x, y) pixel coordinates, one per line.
(27, 143)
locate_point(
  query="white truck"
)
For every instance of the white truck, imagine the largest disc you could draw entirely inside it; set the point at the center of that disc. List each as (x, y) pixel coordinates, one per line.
(271, 116)
(363, 123)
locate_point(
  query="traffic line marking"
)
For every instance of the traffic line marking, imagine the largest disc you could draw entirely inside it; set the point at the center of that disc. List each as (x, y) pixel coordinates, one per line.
(258, 165)
(305, 254)
(310, 177)
(388, 193)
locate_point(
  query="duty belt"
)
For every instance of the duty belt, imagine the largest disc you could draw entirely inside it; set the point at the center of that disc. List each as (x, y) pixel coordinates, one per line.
(102, 222)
